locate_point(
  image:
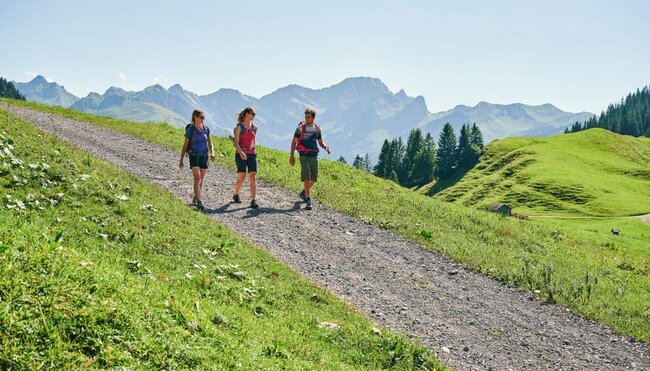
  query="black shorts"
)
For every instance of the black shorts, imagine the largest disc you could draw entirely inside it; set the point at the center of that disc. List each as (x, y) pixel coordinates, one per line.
(250, 163)
(199, 160)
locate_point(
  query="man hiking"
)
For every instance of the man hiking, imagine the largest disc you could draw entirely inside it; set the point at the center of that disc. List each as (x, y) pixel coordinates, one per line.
(306, 140)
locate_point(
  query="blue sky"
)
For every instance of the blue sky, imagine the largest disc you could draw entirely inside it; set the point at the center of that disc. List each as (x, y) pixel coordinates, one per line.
(578, 55)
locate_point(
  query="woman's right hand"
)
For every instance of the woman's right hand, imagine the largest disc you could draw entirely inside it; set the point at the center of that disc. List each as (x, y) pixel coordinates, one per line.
(243, 156)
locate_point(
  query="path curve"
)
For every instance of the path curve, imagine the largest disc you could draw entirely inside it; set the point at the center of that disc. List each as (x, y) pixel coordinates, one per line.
(397, 283)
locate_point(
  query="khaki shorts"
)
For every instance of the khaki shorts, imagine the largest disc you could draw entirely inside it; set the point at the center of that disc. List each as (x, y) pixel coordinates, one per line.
(308, 168)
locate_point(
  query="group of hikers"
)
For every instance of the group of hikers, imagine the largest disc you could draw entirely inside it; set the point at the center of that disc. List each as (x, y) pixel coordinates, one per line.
(198, 145)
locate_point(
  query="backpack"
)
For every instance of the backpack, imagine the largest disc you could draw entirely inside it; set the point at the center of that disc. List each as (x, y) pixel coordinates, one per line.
(303, 129)
(241, 130)
(194, 131)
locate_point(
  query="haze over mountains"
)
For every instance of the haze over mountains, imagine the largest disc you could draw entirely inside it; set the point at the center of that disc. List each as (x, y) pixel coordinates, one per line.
(356, 115)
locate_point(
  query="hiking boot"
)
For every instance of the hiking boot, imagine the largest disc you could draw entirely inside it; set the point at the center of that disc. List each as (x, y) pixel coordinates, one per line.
(254, 204)
(308, 206)
(303, 196)
(193, 200)
(199, 205)
(236, 199)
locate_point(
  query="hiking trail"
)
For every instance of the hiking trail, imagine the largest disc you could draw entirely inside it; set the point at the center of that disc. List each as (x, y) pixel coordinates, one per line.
(397, 283)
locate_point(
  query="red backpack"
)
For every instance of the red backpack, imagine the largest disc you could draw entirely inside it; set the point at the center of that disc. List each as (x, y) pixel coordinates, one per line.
(303, 129)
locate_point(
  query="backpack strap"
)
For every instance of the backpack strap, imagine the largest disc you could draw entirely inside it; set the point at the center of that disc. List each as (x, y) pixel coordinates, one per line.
(303, 129)
(194, 131)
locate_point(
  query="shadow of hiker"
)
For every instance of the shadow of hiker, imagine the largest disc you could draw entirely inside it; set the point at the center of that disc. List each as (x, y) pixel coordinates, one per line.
(224, 209)
(271, 210)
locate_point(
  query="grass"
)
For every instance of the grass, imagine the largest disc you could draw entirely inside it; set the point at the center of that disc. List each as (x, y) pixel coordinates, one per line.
(101, 270)
(632, 230)
(571, 267)
(594, 172)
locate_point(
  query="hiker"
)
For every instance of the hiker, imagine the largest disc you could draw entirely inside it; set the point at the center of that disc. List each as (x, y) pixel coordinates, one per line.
(197, 144)
(245, 155)
(306, 140)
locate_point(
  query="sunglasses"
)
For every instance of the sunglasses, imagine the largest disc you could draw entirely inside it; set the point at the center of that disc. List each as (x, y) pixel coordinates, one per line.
(201, 117)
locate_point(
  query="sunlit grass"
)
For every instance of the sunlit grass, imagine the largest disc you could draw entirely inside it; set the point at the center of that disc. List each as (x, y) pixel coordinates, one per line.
(574, 268)
(101, 270)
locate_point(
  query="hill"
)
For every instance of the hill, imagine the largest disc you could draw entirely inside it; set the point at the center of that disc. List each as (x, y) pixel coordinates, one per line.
(102, 270)
(600, 276)
(593, 172)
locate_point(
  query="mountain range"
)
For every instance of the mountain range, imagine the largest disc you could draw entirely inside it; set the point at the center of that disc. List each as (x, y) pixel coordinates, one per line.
(356, 115)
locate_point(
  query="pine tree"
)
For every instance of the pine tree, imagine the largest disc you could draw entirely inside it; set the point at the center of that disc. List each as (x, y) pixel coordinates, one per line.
(425, 162)
(445, 159)
(342, 160)
(366, 164)
(630, 116)
(414, 144)
(358, 162)
(397, 154)
(464, 155)
(382, 162)
(8, 90)
(476, 137)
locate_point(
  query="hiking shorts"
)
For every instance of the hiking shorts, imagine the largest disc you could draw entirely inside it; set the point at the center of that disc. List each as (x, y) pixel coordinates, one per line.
(199, 160)
(308, 168)
(249, 163)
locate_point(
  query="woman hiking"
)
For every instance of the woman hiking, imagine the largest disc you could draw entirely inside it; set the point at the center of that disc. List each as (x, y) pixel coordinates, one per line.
(245, 155)
(197, 144)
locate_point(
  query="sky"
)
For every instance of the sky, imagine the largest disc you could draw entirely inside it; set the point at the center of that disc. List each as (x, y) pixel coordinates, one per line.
(578, 55)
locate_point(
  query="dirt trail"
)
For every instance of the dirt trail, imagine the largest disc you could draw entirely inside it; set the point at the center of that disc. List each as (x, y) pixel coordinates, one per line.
(397, 283)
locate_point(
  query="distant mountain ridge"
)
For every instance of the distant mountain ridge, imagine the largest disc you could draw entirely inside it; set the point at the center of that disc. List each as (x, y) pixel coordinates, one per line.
(356, 115)
(40, 90)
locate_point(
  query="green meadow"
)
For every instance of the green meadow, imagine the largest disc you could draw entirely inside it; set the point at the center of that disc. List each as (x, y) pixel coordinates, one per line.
(590, 173)
(101, 270)
(575, 268)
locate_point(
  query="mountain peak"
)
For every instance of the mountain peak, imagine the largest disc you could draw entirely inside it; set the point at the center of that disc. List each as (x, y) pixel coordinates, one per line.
(114, 90)
(156, 87)
(39, 80)
(176, 88)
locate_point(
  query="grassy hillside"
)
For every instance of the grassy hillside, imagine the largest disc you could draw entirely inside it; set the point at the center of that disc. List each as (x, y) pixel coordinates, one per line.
(593, 172)
(603, 279)
(101, 270)
(143, 112)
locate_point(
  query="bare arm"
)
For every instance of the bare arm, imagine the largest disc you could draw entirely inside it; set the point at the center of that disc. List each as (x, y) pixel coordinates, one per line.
(210, 148)
(183, 152)
(237, 147)
(324, 146)
(294, 143)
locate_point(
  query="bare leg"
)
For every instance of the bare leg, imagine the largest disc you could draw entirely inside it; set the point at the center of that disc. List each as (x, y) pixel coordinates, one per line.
(203, 171)
(308, 185)
(253, 185)
(196, 174)
(240, 181)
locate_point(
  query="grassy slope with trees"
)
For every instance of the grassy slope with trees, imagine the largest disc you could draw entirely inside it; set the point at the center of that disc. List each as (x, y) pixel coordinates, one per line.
(604, 279)
(590, 173)
(100, 269)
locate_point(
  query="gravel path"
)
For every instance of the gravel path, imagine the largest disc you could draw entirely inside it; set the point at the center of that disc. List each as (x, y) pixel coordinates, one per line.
(482, 323)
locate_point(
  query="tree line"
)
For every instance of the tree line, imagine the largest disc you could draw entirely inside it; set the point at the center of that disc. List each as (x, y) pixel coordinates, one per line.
(629, 117)
(420, 160)
(8, 90)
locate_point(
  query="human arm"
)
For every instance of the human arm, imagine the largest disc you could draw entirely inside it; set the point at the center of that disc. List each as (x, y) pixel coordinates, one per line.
(294, 143)
(210, 148)
(183, 152)
(238, 149)
(324, 146)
